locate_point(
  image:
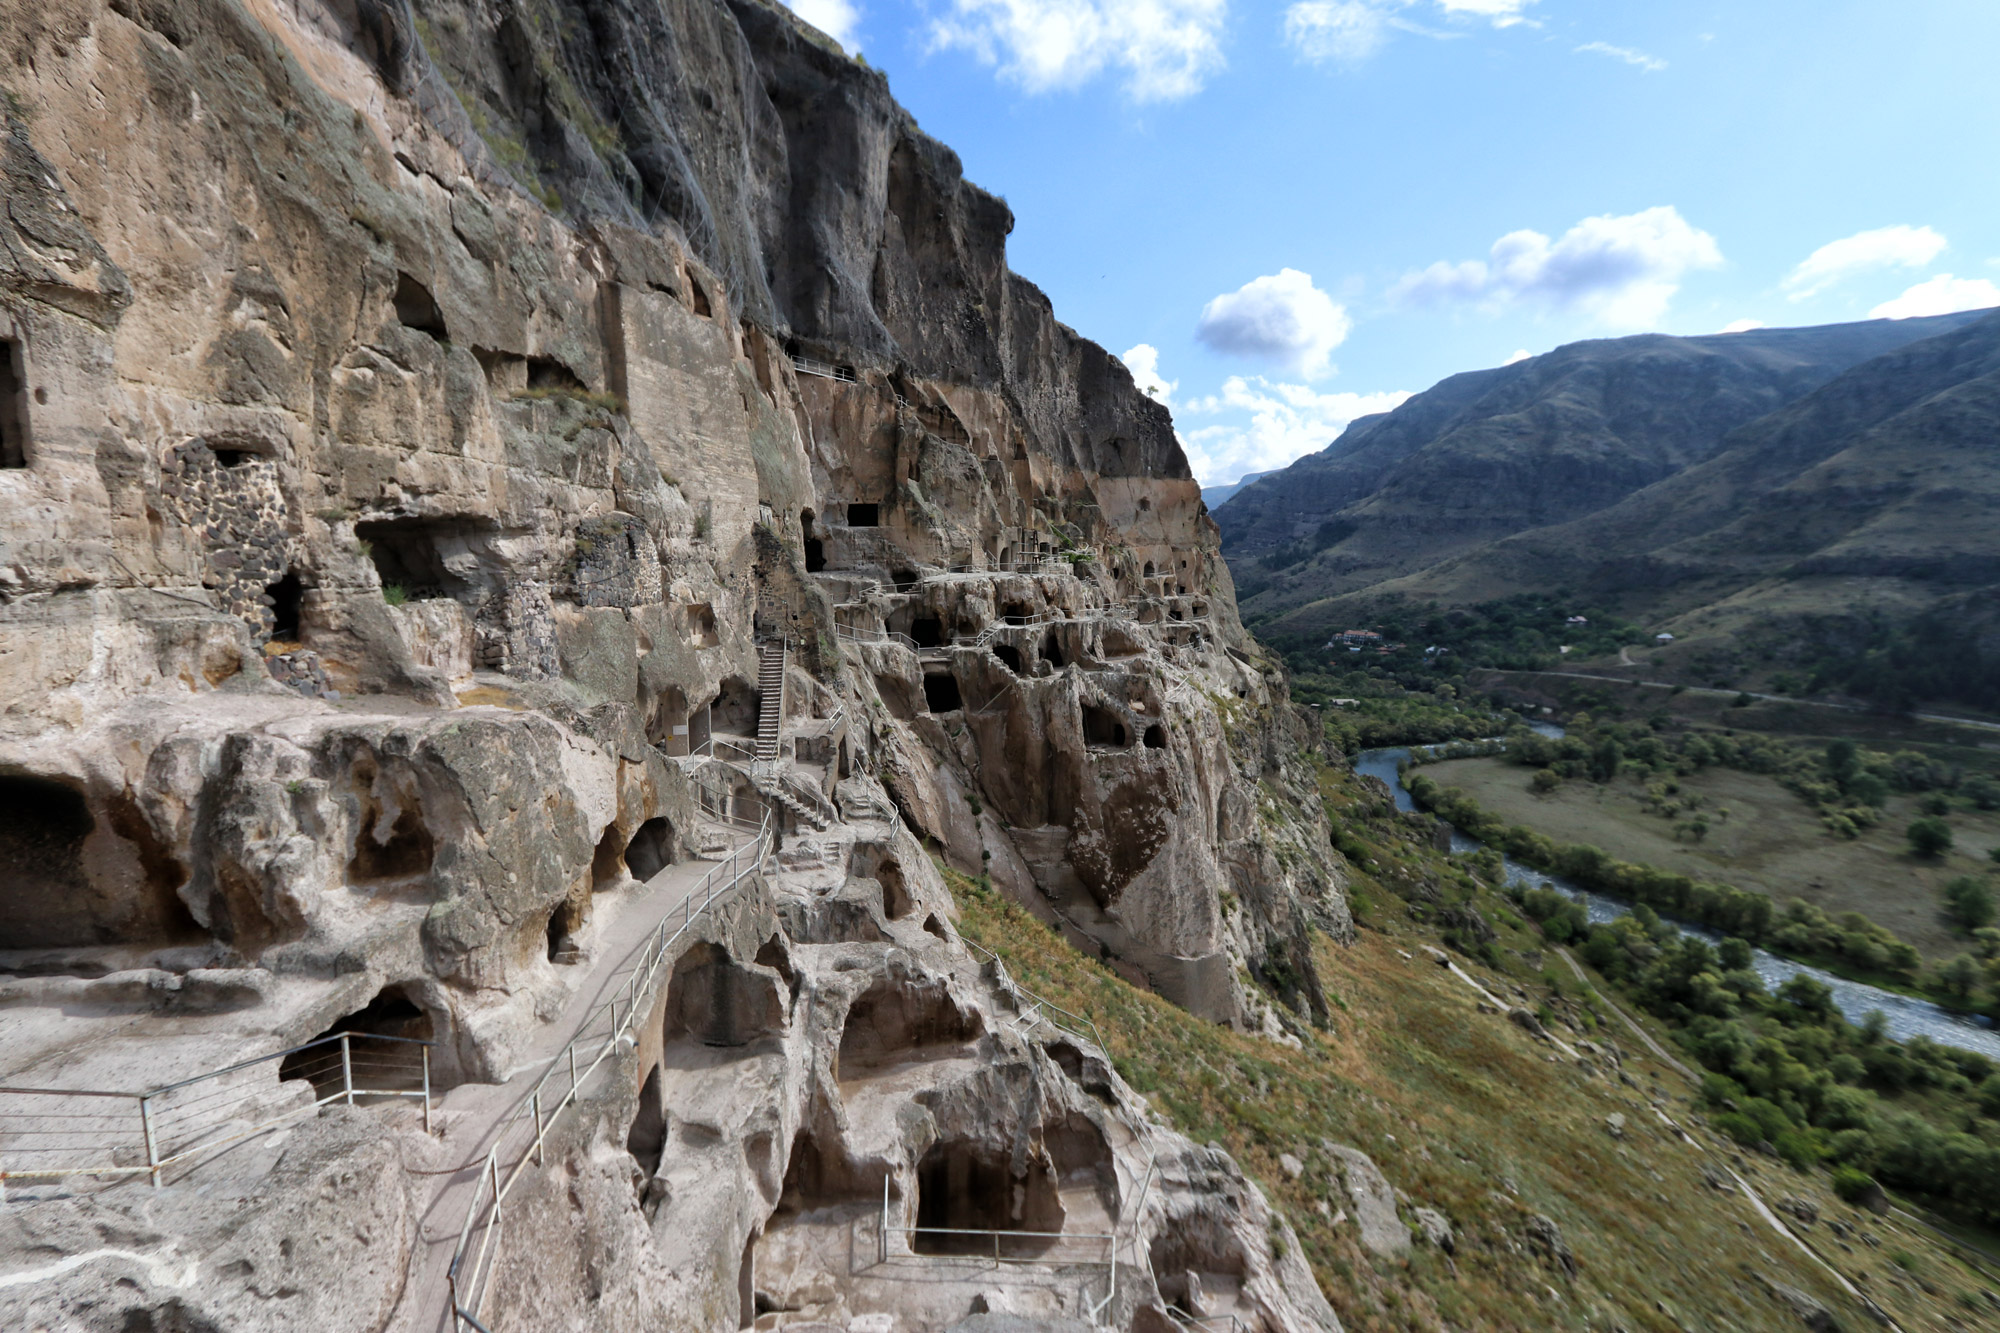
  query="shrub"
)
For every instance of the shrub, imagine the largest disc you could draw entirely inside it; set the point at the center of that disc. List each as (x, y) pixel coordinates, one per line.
(1544, 781)
(1929, 837)
(394, 594)
(1968, 901)
(1853, 1186)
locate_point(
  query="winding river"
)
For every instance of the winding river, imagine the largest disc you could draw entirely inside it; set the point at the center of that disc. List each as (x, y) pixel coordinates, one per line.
(1907, 1017)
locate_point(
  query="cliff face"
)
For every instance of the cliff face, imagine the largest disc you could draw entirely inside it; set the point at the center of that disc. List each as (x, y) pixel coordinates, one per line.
(457, 461)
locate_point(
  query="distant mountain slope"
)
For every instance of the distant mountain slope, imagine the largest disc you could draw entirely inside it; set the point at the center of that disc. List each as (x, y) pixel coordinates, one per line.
(1213, 496)
(1548, 441)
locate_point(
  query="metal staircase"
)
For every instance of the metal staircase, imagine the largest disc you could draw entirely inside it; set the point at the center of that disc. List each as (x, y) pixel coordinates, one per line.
(771, 698)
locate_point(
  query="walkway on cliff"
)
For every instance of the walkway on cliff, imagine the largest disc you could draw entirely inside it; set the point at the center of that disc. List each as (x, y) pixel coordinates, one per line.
(476, 1115)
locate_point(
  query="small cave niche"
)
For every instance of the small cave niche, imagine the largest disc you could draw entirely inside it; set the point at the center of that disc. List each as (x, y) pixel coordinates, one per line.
(698, 298)
(735, 708)
(1010, 657)
(941, 692)
(1102, 727)
(376, 1065)
(927, 632)
(815, 547)
(1200, 1245)
(816, 1178)
(234, 458)
(646, 1140)
(963, 1186)
(409, 554)
(1145, 505)
(1148, 573)
(864, 516)
(548, 375)
(417, 309)
(13, 404)
(667, 720)
(896, 900)
(567, 918)
(701, 625)
(904, 580)
(651, 848)
(1156, 737)
(900, 1018)
(1052, 651)
(607, 862)
(1016, 613)
(716, 1001)
(935, 927)
(403, 850)
(286, 595)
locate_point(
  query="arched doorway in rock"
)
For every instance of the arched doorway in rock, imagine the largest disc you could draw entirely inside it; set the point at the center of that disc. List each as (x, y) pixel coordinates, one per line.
(716, 1001)
(565, 919)
(651, 848)
(734, 711)
(1102, 727)
(381, 1054)
(667, 720)
(968, 1186)
(900, 1018)
(815, 546)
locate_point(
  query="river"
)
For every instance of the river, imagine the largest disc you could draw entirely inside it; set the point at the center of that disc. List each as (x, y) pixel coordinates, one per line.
(1907, 1017)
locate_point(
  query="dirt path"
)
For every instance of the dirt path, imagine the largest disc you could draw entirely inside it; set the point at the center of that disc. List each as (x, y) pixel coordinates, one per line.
(477, 1115)
(1658, 1050)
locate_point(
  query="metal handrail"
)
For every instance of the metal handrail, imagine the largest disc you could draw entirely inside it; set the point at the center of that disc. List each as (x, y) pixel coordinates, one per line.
(807, 366)
(1084, 1029)
(155, 1106)
(485, 1214)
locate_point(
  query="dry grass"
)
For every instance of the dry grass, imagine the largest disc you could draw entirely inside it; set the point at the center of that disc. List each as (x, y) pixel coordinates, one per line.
(1772, 841)
(1468, 1114)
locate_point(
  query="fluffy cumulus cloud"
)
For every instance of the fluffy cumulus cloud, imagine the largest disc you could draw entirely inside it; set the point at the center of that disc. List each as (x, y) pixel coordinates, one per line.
(1162, 49)
(1280, 318)
(1349, 31)
(1263, 425)
(1144, 363)
(1620, 270)
(838, 19)
(1941, 295)
(1884, 247)
(1742, 326)
(1651, 64)
(1520, 354)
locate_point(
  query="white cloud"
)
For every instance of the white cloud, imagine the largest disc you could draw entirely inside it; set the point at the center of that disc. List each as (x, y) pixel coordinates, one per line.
(1621, 271)
(1884, 247)
(838, 19)
(1280, 318)
(1520, 354)
(1164, 49)
(1941, 295)
(1349, 31)
(1277, 424)
(1144, 363)
(1742, 326)
(1651, 64)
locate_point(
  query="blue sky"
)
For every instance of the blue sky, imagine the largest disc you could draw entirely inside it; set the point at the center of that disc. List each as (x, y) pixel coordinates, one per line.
(1285, 215)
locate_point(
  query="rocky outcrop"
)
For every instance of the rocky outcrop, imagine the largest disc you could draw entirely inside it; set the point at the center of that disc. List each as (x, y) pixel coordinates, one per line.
(464, 465)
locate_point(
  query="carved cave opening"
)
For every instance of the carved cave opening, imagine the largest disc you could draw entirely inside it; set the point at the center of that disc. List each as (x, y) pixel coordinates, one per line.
(401, 851)
(896, 900)
(286, 595)
(903, 579)
(651, 849)
(864, 516)
(815, 548)
(701, 625)
(417, 309)
(567, 918)
(927, 631)
(48, 895)
(379, 1065)
(715, 1000)
(941, 693)
(1103, 727)
(410, 554)
(1200, 1245)
(897, 1019)
(13, 404)
(1010, 657)
(667, 720)
(1156, 737)
(735, 708)
(966, 1186)
(1052, 651)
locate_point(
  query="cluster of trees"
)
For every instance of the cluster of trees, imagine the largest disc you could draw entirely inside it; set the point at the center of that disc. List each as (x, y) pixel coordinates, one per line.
(1896, 666)
(1384, 712)
(1788, 1071)
(1849, 941)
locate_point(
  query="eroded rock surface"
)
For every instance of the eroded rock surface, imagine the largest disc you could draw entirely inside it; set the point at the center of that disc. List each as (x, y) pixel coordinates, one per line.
(462, 470)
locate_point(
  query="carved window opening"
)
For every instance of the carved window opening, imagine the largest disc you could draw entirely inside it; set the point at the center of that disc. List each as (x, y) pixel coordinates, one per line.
(701, 625)
(417, 309)
(927, 631)
(896, 900)
(402, 851)
(287, 595)
(651, 849)
(567, 918)
(1156, 737)
(13, 404)
(409, 554)
(864, 515)
(1101, 726)
(941, 693)
(815, 547)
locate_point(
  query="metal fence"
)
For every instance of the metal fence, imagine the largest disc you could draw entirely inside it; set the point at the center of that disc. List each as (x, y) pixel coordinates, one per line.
(80, 1134)
(521, 1138)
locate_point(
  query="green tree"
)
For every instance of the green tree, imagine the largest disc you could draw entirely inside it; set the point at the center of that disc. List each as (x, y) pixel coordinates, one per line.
(1960, 976)
(1929, 837)
(1606, 759)
(1968, 901)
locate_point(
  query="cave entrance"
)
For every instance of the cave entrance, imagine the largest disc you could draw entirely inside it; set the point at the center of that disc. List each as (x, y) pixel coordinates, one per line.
(413, 556)
(814, 546)
(403, 850)
(13, 404)
(667, 724)
(899, 1019)
(1156, 737)
(701, 625)
(1102, 727)
(735, 708)
(1010, 657)
(1052, 652)
(941, 693)
(715, 1000)
(381, 1055)
(48, 898)
(966, 1187)
(417, 309)
(646, 1140)
(286, 596)
(927, 632)
(864, 516)
(651, 849)
(896, 900)
(904, 579)
(567, 918)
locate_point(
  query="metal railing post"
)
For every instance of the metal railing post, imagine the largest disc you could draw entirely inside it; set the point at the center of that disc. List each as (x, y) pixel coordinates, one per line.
(572, 1069)
(541, 1157)
(426, 1052)
(347, 1068)
(882, 1232)
(152, 1147)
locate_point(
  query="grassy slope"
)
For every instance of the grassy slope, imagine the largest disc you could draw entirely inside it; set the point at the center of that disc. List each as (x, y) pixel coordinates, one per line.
(1467, 1113)
(1772, 842)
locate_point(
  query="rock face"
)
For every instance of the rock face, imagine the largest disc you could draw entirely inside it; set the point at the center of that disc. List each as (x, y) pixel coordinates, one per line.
(460, 468)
